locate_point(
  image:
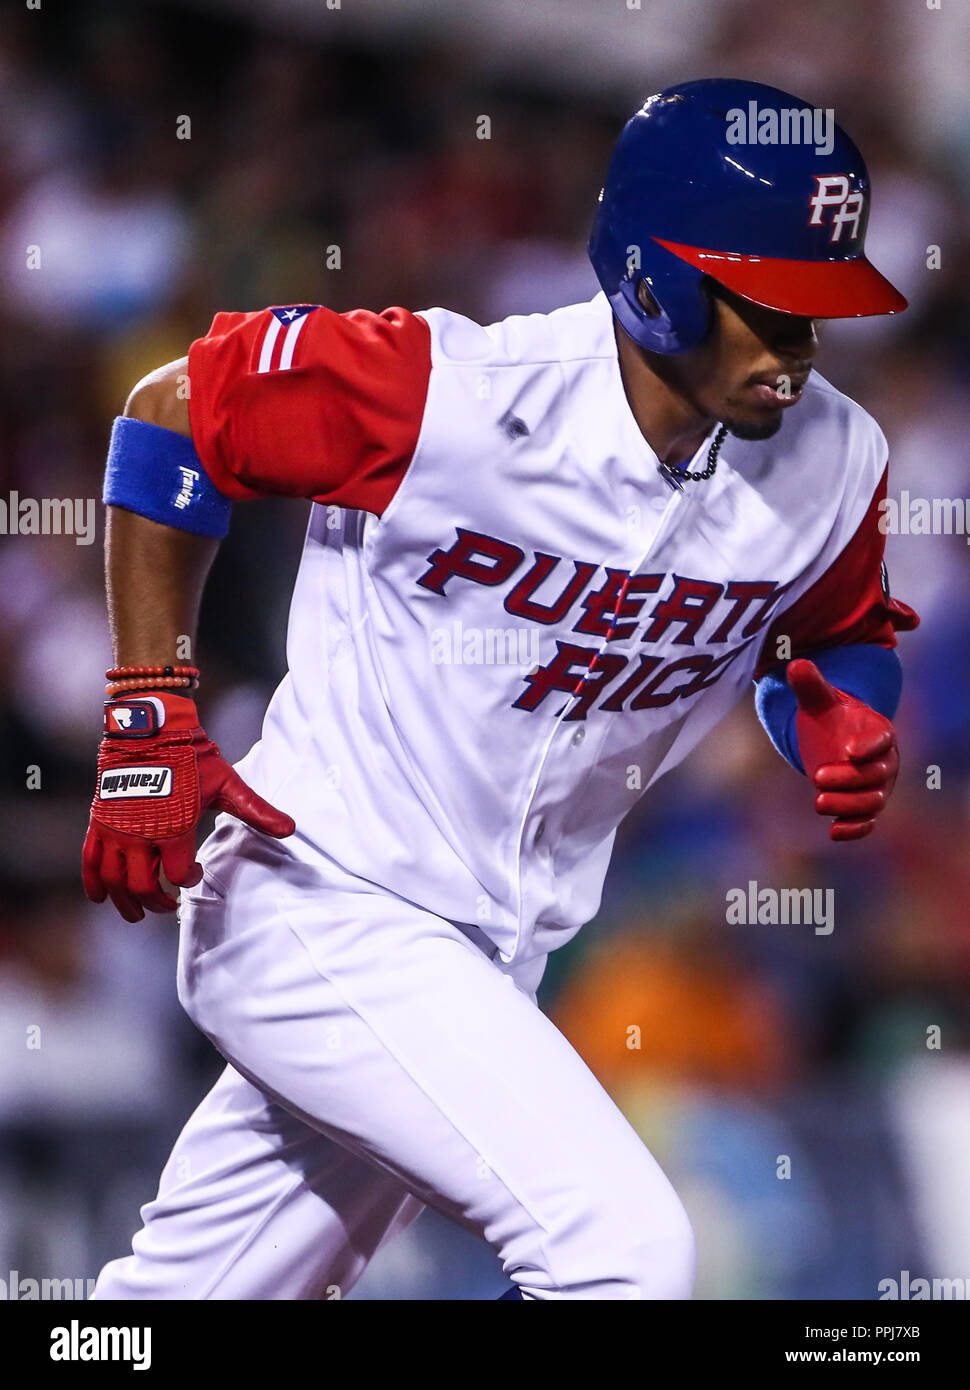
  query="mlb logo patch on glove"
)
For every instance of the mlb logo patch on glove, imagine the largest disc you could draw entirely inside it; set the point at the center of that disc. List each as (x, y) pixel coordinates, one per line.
(133, 718)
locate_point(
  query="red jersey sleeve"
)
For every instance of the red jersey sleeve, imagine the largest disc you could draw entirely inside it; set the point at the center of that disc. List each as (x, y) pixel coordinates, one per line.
(848, 604)
(304, 402)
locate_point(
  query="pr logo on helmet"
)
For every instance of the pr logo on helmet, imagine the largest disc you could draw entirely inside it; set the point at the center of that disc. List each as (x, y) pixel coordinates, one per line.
(832, 191)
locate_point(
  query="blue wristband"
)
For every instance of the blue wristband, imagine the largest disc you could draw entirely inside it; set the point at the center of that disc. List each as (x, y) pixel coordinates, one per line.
(158, 474)
(870, 673)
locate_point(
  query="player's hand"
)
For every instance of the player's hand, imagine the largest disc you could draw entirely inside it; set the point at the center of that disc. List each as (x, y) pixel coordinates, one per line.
(157, 773)
(847, 749)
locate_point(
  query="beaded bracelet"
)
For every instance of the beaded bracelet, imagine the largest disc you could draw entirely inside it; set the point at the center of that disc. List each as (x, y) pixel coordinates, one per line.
(127, 680)
(120, 672)
(131, 686)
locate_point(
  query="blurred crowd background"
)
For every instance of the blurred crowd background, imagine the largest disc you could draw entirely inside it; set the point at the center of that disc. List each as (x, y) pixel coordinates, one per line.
(314, 127)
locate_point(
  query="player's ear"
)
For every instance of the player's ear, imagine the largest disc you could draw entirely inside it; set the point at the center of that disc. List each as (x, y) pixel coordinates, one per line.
(646, 300)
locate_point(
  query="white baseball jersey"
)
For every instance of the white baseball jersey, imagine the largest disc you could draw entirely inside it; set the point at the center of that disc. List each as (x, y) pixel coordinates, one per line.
(507, 624)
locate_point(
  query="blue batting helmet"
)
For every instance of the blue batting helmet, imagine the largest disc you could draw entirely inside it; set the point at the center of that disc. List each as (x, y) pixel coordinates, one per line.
(743, 183)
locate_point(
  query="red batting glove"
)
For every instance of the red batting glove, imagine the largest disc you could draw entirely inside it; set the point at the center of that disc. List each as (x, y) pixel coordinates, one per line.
(847, 749)
(157, 773)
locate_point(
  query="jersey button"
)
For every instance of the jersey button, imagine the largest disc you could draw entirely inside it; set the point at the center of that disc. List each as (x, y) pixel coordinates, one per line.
(658, 504)
(579, 735)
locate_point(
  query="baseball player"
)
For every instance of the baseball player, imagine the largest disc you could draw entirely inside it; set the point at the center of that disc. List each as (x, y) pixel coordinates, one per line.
(654, 498)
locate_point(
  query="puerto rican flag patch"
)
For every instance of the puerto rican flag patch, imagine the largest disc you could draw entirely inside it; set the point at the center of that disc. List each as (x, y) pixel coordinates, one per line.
(276, 347)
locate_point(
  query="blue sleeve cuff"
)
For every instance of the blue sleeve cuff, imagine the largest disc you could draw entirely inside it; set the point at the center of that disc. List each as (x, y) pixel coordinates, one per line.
(158, 474)
(870, 673)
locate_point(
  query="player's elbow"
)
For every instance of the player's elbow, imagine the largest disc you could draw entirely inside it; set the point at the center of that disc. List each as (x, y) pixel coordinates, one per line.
(161, 398)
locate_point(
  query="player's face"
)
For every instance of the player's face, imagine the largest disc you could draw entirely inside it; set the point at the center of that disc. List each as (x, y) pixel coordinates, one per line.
(751, 367)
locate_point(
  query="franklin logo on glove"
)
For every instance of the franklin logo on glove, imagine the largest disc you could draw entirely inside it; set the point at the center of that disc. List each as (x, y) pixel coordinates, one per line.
(136, 781)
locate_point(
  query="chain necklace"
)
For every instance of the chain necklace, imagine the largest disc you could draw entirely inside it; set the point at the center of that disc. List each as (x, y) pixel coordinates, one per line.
(677, 476)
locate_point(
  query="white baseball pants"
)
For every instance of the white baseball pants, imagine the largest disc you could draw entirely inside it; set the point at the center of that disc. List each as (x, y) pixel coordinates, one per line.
(380, 1060)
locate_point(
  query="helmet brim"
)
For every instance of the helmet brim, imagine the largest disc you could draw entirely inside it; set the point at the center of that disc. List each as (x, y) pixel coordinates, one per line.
(834, 289)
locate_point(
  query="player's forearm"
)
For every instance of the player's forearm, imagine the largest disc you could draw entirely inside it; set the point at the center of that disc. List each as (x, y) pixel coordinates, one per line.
(154, 577)
(154, 572)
